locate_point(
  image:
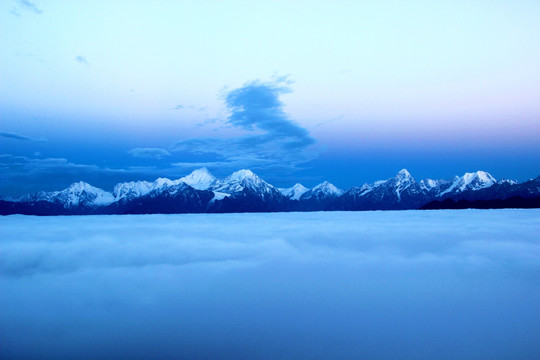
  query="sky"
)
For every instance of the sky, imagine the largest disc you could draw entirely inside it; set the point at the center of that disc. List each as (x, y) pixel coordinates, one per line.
(304, 91)
(352, 285)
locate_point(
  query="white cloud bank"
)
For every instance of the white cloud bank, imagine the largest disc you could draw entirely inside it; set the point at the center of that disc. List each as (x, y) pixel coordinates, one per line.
(410, 284)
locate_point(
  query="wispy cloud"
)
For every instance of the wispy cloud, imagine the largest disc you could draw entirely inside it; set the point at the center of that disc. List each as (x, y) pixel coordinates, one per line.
(15, 12)
(81, 59)
(30, 6)
(149, 153)
(272, 139)
(16, 136)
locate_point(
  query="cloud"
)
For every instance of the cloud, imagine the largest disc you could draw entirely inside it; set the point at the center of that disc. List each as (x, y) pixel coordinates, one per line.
(22, 175)
(15, 12)
(375, 285)
(16, 136)
(149, 153)
(30, 6)
(272, 139)
(81, 59)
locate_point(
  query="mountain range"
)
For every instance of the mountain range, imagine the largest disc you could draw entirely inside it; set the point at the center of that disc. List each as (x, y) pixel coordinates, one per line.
(244, 191)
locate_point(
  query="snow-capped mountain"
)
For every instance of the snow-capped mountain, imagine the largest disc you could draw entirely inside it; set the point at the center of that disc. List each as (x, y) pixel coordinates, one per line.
(38, 196)
(129, 190)
(244, 191)
(434, 187)
(82, 193)
(322, 191)
(469, 182)
(294, 192)
(319, 197)
(166, 198)
(400, 192)
(77, 194)
(200, 179)
(243, 180)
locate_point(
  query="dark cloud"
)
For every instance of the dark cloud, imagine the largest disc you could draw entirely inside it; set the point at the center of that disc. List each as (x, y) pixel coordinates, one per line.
(30, 6)
(273, 138)
(149, 153)
(81, 59)
(16, 136)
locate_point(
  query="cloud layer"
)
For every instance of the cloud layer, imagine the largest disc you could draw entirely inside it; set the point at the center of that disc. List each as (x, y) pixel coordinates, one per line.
(404, 285)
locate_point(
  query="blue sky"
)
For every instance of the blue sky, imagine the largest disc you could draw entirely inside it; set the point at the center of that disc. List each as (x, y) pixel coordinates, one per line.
(349, 92)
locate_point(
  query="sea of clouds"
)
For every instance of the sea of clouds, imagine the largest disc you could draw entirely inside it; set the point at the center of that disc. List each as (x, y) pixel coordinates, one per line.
(325, 285)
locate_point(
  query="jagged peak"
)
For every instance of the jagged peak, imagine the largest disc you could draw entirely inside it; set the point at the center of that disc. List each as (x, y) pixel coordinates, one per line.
(294, 192)
(483, 176)
(403, 174)
(81, 186)
(327, 188)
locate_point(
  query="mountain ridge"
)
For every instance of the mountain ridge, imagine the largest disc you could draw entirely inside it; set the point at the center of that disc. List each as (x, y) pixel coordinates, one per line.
(244, 191)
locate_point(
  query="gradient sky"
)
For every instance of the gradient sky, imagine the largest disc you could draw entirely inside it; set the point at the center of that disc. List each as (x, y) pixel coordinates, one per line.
(349, 92)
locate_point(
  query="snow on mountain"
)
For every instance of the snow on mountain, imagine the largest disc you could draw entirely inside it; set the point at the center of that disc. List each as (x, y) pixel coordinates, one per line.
(323, 190)
(38, 196)
(430, 184)
(403, 181)
(240, 180)
(245, 191)
(161, 183)
(508, 181)
(82, 193)
(219, 196)
(130, 190)
(470, 181)
(200, 179)
(294, 192)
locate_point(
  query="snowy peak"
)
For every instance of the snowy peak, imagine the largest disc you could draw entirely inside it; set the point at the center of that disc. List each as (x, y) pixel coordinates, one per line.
(132, 189)
(470, 181)
(82, 193)
(402, 177)
(200, 179)
(240, 180)
(294, 192)
(161, 183)
(243, 174)
(404, 174)
(328, 188)
(323, 190)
